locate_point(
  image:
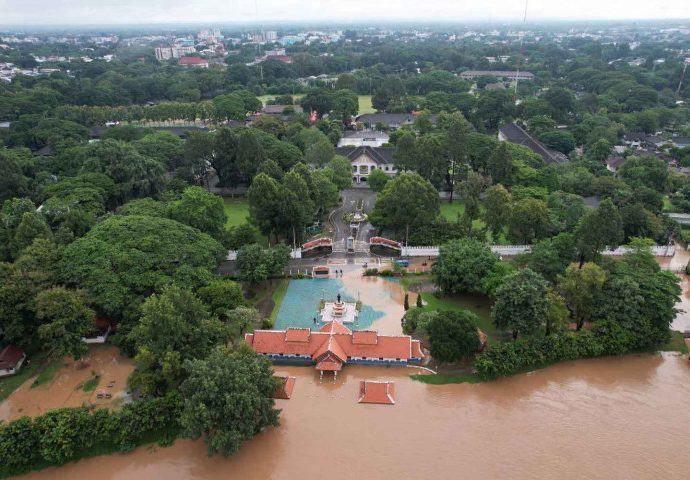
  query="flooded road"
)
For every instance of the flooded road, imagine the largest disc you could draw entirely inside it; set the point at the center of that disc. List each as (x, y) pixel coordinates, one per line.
(613, 418)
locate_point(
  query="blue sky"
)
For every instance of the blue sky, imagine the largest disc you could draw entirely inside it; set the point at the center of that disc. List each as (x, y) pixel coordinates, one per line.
(37, 12)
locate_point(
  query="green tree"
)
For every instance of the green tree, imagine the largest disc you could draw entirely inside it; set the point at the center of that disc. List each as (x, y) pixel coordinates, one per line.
(497, 204)
(227, 399)
(201, 210)
(406, 201)
(599, 229)
(405, 154)
(174, 326)
(265, 200)
(124, 259)
(221, 295)
(378, 179)
(461, 266)
(256, 264)
(529, 221)
(500, 165)
(31, 227)
(341, 172)
(581, 289)
(453, 335)
(66, 319)
(522, 305)
(320, 153)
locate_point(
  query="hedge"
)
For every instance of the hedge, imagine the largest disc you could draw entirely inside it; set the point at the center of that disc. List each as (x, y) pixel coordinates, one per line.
(508, 358)
(66, 434)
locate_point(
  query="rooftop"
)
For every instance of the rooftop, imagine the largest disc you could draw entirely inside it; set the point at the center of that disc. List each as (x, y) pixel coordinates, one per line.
(515, 134)
(382, 393)
(285, 390)
(380, 155)
(10, 356)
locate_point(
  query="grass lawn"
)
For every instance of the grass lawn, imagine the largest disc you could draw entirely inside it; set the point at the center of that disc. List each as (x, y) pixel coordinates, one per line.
(477, 304)
(440, 379)
(364, 101)
(10, 384)
(91, 384)
(676, 344)
(237, 211)
(365, 104)
(451, 212)
(47, 374)
(278, 297)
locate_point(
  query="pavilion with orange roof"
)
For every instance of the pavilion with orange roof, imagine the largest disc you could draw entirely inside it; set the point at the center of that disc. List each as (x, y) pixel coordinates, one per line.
(334, 345)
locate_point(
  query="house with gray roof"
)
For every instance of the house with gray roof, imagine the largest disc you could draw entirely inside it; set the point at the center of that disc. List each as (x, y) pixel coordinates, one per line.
(513, 133)
(365, 160)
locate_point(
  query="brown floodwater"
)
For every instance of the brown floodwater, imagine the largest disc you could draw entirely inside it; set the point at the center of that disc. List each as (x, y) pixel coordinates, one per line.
(382, 294)
(613, 418)
(610, 418)
(65, 388)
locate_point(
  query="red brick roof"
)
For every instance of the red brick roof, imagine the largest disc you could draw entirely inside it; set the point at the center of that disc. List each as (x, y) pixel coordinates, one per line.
(10, 356)
(335, 327)
(192, 61)
(376, 392)
(365, 337)
(285, 390)
(338, 340)
(297, 335)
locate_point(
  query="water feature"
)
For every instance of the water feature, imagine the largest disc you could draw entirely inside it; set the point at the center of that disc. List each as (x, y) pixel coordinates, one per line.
(382, 301)
(605, 418)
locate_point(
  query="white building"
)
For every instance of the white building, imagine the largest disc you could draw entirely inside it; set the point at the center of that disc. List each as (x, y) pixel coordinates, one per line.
(365, 160)
(166, 53)
(364, 138)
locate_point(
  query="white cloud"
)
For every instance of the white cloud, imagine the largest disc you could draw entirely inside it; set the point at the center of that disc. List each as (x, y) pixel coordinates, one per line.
(34, 12)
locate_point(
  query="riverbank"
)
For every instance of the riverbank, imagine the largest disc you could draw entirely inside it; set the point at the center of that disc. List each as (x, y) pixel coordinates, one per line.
(626, 410)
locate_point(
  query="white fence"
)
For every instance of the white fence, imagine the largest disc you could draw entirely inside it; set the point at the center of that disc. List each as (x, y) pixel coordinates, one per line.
(511, 250)
(295, 253)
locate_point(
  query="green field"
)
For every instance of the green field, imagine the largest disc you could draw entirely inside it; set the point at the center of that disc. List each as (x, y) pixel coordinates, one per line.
(477, 304)
(236, 210)
(452, 211)
(364, 101)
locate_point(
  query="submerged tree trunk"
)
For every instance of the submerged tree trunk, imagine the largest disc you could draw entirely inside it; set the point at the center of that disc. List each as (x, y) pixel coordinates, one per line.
(515, 334)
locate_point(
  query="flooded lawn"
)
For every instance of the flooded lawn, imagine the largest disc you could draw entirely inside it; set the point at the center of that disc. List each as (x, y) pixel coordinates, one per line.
(73, 385)
(382, 301)
(609, 418)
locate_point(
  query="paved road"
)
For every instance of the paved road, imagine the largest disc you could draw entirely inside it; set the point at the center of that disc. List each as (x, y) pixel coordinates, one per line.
(342, 231)
(350, 199)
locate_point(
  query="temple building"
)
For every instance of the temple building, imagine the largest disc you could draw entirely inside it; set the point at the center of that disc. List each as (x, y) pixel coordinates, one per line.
(335, 345)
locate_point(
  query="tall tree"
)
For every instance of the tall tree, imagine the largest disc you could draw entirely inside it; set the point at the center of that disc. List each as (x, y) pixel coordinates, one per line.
(496, 209)
(599, 229)
(453, 335)
(406, 201)
(227, 399)
(174, 326)
(581, 289)
(522, 305)
(462, 265)
(66, 319)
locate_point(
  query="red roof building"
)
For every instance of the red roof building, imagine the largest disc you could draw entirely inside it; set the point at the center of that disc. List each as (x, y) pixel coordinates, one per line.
(193, 62)
(382, 393)
(11, 359)
(284, 392)
(335, 345)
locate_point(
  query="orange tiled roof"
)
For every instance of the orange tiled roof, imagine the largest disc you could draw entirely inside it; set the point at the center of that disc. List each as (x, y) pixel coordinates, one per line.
(365, 337)
(297, 335)
(285, 390)
(376, 392)
(399, 347)
(329, 366)
(335, 327)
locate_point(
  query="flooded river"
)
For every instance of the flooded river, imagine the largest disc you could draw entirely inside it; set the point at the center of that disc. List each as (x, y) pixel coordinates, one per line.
(611, 418)
(615, 418)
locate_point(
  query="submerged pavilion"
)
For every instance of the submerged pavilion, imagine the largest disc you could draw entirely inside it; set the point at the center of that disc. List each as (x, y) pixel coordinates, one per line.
(335, 345)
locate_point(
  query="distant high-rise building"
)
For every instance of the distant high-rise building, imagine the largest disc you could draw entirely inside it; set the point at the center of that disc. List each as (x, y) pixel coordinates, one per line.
(271, 36)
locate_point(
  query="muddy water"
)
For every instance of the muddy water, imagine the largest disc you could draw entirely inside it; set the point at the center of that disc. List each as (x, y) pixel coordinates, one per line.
(620, 418)
(381, 294)
(64, 390)
(680, 260)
